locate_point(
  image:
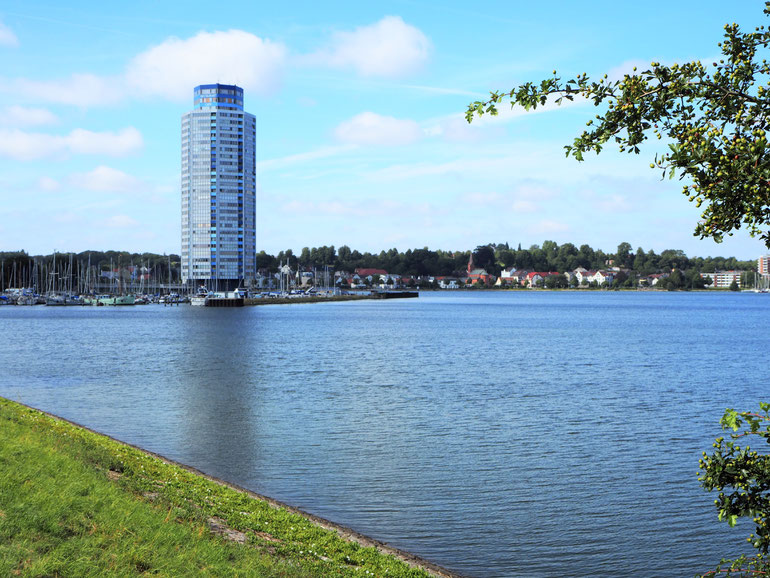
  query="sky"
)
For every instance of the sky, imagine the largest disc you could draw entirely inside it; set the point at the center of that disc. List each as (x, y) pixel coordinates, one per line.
(361, 136)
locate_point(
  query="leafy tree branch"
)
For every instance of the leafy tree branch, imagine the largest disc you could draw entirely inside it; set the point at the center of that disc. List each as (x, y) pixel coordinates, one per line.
(714, 119)
(741, 475)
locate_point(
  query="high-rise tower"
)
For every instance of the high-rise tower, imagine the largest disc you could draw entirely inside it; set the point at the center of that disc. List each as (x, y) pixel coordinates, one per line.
(218, 190)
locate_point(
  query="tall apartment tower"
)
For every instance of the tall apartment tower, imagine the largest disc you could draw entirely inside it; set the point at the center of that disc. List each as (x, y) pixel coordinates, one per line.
(218, 190)
(763, 265)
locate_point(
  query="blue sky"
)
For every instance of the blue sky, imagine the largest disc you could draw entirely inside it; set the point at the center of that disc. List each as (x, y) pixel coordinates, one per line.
(360, 132)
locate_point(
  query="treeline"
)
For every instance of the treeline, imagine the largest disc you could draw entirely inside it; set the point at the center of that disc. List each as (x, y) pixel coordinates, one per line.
(21, 269)
(493, 257)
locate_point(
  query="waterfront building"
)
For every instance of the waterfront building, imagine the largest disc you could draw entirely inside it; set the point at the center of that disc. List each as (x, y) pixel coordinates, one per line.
(218, 190)
(763, 265)
(723, 279)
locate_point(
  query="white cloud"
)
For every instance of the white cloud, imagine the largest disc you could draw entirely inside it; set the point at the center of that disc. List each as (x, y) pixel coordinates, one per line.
(107, 179)
(456, 129)
(25, 146)
(524, 206)
(121, 222)
(614, 204)
(358, 209)
(548, 227)
(78, 90)
(483, 199)
(532, 191)
(325, 208)
(7, 37)
(301, 158)
(48, 184)
(173, 68)
(23, 116)
(369, 128)
(389, 48)
(507, 113)
(119, 144)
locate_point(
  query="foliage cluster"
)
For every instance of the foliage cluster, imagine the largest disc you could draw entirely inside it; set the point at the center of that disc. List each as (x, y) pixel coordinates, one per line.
(741, 475)
(74, 503)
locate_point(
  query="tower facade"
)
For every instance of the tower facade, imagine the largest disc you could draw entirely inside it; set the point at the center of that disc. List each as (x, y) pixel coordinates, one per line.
(218, 190)
(763, 265)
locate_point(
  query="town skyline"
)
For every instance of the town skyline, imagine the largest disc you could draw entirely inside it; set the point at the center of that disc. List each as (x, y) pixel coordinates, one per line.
(361, 139)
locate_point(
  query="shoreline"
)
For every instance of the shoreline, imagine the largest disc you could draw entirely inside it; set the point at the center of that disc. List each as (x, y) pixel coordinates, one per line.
(344, 532)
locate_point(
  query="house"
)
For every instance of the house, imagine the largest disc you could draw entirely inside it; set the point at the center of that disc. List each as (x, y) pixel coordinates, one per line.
(370, 272)
(653, 279)
(602, 277)
(519, 277)
(448, 282)
(536, 278)
(584, 277)
(507, 282)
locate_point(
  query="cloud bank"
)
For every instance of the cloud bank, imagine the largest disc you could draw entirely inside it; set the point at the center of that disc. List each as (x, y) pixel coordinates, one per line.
(389, 48)
(27, 146)
(18, 116)
(107, 179)
(369, 128)
(7, 37)
(172, 68)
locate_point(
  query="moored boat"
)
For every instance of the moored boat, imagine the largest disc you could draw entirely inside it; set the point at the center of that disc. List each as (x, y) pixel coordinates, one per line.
(101, 300)
(59, 299)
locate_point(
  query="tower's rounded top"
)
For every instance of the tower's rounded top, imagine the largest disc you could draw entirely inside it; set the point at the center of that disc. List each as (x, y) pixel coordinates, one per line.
(219, 96)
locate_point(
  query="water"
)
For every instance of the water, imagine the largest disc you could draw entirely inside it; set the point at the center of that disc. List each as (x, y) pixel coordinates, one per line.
(496, 434)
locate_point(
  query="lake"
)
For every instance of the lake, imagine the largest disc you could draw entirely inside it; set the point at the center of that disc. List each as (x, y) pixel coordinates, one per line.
(494, 433)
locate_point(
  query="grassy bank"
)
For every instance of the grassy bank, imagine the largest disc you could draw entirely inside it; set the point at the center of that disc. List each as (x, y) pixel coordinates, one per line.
(76, 503)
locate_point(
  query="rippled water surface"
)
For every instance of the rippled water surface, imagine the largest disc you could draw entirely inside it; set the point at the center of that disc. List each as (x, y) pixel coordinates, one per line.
(496, 434)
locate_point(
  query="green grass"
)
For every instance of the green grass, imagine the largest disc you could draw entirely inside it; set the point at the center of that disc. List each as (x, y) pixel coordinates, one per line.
(75, 503)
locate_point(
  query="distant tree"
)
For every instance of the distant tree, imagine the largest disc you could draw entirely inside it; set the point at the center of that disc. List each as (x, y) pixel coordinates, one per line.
(506, 257)
(620, 279)
(343, 253)
(674, 281)
(484, 257)
(556, 281)
(550, 250)
(694, 280)
(747, 279)
(304, 257)
(567, 259)
(734, 286)
(624, 257)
